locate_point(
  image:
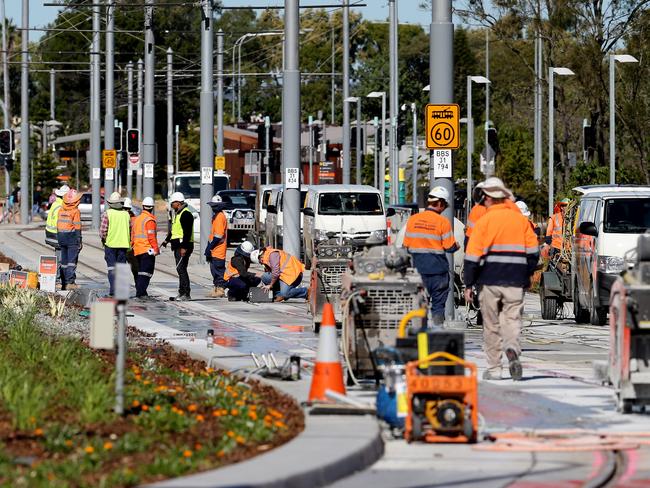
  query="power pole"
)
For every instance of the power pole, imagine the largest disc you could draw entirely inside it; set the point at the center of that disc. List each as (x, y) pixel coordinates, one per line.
(333, 81)
(359, 141)
(441, 81)
(267, 149)
(393, 107)
(291, 129)
(415, 152)
(109, 117)
(149, 136)
(24, 123)
(52, 95)
(310, 124)
(346, 92)
(207, 122)
(5, 85)
(220, 93)
(129, 125)
(95, 123)
(170, 116)
(140, 88)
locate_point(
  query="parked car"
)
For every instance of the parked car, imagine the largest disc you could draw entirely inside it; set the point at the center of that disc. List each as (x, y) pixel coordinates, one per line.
(240, 212)
(86, 206)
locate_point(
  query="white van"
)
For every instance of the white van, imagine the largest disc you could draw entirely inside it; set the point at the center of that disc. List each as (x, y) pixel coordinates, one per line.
(354, 211)
(609, 221)
(274, 218)
(263, 200)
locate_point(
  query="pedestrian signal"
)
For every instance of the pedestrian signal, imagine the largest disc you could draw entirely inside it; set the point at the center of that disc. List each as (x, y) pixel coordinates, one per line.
(133, 141)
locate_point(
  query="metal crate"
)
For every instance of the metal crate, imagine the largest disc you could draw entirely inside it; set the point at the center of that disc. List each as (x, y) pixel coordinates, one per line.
(330, 273)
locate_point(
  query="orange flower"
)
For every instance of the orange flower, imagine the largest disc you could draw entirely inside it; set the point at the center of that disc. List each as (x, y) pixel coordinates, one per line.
(108, 446)
(135, 403)
(146, 382)
(200, 418)
(68, 443)
(157, 408)
(180, 412)
(38, 432)
(252, 415)
(145, 407)
(240, 440)
(221, 453)
(138, 377)
(216, 413)
(275, 413)
(187, 453)
(279, 424)
(240, 403)
(234, 412)
(192, 408)
(230, 433)
(197, 446)
(235, 394)
(89, 449)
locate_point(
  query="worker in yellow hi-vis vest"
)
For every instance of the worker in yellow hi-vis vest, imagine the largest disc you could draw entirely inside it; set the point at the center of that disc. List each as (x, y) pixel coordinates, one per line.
(115, 233)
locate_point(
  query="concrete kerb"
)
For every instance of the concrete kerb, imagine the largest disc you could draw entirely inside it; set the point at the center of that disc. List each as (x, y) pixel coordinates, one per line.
(330, 448)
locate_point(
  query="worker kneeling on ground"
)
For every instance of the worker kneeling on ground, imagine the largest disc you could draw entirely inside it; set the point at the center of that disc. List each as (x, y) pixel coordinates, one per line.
(428, 238)
(145, 247)
(215, 251)
(237, 277)
(283, 273)
(69, 238)
(500, 258)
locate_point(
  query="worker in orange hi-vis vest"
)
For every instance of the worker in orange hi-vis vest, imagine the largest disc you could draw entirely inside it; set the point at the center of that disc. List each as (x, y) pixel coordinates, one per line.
(479, 209)
(283, 273)
(215, 252)
(554, 230)
(145, 247)
(69, 238)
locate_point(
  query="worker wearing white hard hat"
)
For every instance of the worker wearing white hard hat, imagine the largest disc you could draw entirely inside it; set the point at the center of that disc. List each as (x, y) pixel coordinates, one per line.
(52, 218)
(239, 280)
(215, 251)
(526, 213)
(429, 238)
(181, 237)
(115, 233)
(145, 247)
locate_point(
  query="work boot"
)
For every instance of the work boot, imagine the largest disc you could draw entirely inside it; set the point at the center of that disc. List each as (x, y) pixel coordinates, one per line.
(491, 375)
(217, 292)
(515, 368)
(71, 286)
(438, 320)
(183, 298)
(279, 298)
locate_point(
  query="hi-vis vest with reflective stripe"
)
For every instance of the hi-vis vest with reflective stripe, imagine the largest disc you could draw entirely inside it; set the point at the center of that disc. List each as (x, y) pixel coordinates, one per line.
(69, 220)
(53, 216)
(475, 214)
(428, 232)
(219, 228)
(290, 266)
(119, 229)
(231, 272)
(140, 239)
(555, 224)
(177, 228)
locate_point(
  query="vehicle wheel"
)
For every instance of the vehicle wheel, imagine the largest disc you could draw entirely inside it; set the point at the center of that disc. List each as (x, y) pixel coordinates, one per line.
(624, 406)
(597, 315)
(580, 313)
(416, 426)
(315, 327)
(549, 307)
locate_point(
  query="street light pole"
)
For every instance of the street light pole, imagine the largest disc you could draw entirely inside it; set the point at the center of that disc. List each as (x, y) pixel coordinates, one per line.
(382, 160)
(129, 125)
(207, 122)
(394, 88)
(95, 123)
(149, 136)
(5, 85)
(375, 124)
(24, 114)
(470, 134)
(220, 93)
(621, 58)
(415, 152)
(140, 88)
(346, 92)
(109, 133)
(170, 115)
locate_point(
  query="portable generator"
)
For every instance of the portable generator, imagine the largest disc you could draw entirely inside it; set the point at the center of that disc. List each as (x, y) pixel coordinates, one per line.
(328, 265)
(629, 319)
(377, 291)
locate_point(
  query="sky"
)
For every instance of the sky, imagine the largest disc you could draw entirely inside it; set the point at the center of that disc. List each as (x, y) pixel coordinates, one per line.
(375, 10)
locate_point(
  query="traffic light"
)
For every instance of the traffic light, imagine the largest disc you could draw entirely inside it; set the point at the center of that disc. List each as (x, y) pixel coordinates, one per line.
(316, 135)
(588, 138)
(6, 141)
(493, 141)
(117, 138)
(133, 141)
(261, 136)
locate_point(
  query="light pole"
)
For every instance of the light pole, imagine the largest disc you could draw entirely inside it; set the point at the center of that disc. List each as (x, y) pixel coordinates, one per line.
(393, 152)
(621, 58)
(415, 149)
(375, 124)
(470, 133)
(356, 100)
(551, 116)
(346, 93)
(382, 161)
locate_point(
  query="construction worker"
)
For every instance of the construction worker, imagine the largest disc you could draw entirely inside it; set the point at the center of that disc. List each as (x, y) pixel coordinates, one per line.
(68, 233)
(428, 238)
(283, 273)
(500, 258)
(554, 229)
(51, 225)
(523, 208)
(238, 279)
(130, 256)
(145, 247)
(215, 251)
(181, 237)
(479, 209)
(115, 233)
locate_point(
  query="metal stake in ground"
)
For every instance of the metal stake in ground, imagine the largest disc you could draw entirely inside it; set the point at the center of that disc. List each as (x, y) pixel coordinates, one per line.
(122, 288)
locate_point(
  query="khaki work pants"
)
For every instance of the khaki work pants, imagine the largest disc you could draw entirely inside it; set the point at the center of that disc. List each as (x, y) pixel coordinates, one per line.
(501, 307)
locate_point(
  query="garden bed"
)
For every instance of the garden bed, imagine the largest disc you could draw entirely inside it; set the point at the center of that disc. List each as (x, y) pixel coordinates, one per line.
(57, 426)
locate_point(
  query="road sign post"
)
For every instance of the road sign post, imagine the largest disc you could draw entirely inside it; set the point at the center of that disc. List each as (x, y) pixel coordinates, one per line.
(442, 126)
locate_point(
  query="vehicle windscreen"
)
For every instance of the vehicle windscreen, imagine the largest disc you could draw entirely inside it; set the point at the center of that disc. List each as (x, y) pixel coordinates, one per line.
(350, 204)
(303, 195)
(240, 199)
(265, 198)
(189, 186)
(220, 183)
(627, 215)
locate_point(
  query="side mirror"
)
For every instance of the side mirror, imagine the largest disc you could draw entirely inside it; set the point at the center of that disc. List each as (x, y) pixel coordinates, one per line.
(271, 209)
(308, 211)
(390, 212)
(588, 229)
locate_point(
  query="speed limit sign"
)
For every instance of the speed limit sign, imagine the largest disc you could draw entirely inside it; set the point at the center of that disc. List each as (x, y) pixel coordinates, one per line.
(442, 126)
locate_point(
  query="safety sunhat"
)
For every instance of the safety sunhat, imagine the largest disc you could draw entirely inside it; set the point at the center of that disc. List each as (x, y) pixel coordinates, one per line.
(523, 207)
(438, 193)
(177, 197)
(247, 248)
(60, 192)
(72, 197)
(115, 198)
(147, 202)
(127, 203)
(494, 187)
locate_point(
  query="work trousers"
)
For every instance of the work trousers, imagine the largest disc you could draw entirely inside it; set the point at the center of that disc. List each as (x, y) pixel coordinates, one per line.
(501, 307)
(181, 269)
(437, 286)
(112, 256)
(218, 268)
(69, 256)
(146, 264)
(238, 288)
(286, 291)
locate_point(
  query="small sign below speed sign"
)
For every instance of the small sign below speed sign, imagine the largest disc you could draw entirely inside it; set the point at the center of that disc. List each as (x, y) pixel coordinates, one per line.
(442, 163)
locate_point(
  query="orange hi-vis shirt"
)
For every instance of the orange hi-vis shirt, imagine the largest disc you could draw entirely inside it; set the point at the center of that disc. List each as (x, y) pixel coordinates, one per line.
(428, 237)
(220, 231)
(290, 266)
(554, 230)
(143, 234)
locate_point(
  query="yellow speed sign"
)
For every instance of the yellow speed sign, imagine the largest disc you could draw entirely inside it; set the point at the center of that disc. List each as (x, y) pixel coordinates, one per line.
(442, 126)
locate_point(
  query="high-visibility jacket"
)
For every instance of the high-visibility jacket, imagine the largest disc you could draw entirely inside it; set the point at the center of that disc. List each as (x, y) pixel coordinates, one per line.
(220, 231)
(51, 223)
(475, 214)
(143, 235)
(428, 237)
(69, 222)
(502, 250)
(177, 228)
(231, 272)
(554, 230)
(290, 266)
(119, 229)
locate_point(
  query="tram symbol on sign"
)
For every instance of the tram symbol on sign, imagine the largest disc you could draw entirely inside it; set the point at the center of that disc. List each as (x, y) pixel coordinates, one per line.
(442, 126)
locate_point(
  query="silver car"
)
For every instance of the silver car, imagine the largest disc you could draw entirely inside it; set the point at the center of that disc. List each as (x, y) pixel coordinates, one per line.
(86, 206)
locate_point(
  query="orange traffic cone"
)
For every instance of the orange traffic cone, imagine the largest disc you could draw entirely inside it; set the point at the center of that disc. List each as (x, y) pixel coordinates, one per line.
(328, 373)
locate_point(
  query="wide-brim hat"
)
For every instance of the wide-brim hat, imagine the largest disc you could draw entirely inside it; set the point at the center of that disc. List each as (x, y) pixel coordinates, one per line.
(494, 187)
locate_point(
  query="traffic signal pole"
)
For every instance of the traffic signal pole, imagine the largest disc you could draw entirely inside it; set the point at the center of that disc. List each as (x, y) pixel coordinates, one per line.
(5, 85)
(346, 92)
(109, 117)
(24, 123)
(207, 122)
(149, 129)
(139, 88)
(95, 123)
(129, 125)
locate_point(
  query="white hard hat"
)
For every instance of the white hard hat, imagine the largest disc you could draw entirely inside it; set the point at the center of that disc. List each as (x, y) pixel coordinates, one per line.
(255, 256)
(247, 247)
(216, 199)
(494, 187)
(523, 207)
(127, 203)
(147, 202)
(62, 191)
(177, 197)
(439, 193)
(115, 198)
